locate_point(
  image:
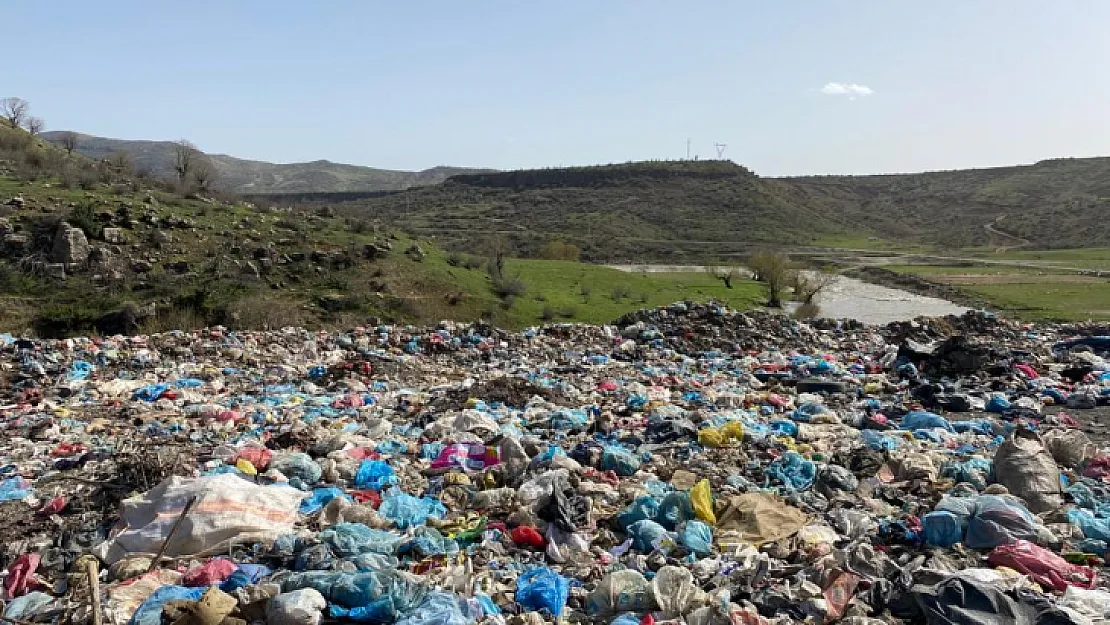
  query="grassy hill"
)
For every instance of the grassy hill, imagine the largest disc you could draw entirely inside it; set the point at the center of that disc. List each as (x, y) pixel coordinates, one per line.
(689, 210)
(158, 261)
(243, 176)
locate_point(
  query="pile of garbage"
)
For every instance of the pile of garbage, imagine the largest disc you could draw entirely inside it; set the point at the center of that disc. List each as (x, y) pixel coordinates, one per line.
(688, 464)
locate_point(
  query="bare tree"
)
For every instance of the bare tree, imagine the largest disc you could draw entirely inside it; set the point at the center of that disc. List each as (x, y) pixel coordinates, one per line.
(120, 162)
(808, 285)
(14, 110)
(35, 125)
(185, 158)
(724, 275)
(204, 173)
(69, 141)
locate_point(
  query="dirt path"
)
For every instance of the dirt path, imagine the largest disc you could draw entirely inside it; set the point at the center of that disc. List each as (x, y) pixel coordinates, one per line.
(993, 230)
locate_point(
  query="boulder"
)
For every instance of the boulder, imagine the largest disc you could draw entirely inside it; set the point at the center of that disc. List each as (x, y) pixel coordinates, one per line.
(115, 236)
(71, 246)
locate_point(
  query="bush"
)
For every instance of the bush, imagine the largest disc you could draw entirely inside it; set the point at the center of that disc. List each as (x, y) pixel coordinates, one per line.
(455, 259)
(548, 314)
(586, 291)
(807, 310)
(506, 287)
(560, 250)
(620, 293)
(84, 217)
(472, 262)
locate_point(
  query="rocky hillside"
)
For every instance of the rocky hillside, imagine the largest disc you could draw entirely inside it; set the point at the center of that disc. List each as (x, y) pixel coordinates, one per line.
(243, 176)
(673, 211)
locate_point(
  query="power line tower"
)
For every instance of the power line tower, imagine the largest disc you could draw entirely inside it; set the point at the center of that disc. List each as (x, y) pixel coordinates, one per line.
(720, 150)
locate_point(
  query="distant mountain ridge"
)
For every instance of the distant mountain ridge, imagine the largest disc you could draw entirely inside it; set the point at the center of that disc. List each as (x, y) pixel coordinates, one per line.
(243, 176)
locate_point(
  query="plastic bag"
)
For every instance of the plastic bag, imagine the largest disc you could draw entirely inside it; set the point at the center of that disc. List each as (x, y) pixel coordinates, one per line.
(619, 460)
(1091, 526)
(697, 537)
(675, 508)
(320, 498)
(1043, 566)
(731, 433)
(543, 589)
(646, 535)
(975, 471)
(922, 420)
(701, 498)
(1024, 466)
(1069, 448)
(350, 539)
(642, 508)
(150, 612)
(406, 511)
(375, 474)
(998, 521)
(621, 591)
(298, 465)
(674, 591)
(793, 471)
(299, 607)
(942, 529)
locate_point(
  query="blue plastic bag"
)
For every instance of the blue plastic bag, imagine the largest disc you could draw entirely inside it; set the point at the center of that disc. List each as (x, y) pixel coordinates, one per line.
(675, 508)
(878, 441)
(543, 589)
(782, 427)
(998, 520)
(997, 403)
(150, 611)
(80, 370)
(793, 471)
(806, 412)
(350, 539)
(922, 420)
(438, 608)
(975, 471)
(375, 474)
(942, 529)
(298, 465)
(407, 511)
(646, 534)
(697, 537)
(15, 489)
(642, 508)
(320, 498)
(1091, 526)
(618, 459)
(151, 392)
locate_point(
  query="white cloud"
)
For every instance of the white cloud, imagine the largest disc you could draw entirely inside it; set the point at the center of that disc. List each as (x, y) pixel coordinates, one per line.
(850, 89)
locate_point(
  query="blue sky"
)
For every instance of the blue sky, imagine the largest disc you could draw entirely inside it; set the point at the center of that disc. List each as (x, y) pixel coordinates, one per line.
(528, 83)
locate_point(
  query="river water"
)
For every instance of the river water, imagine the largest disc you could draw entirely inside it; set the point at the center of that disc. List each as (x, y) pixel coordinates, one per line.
(849, 298)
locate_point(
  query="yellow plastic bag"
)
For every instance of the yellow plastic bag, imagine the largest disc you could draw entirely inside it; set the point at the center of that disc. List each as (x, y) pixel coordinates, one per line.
(245, 466)
(701, 498)
(728, 434)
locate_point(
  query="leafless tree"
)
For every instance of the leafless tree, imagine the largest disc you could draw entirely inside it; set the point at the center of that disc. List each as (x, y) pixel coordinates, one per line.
(120, 162)
(69, 141)
(35, 125)
(185, 158)
(14, 110)
(204, 173)
(807, 286)
(724, 275)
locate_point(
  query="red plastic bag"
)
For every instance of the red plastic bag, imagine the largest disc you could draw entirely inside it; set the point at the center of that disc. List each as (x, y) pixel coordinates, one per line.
(19, 574)
(526, 536)
(54, 506)
(367, 496)
(1043, 566)
(258, 456)
(1098, 468)
(215, 571)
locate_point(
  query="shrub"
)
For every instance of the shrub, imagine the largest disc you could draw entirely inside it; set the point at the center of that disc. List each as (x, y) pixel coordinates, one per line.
(505, 287)
(84, 217)
(548, 314)
(455, 259)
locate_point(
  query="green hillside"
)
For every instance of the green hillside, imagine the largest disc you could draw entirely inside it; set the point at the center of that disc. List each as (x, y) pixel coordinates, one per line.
(243, 176)
(672, 211)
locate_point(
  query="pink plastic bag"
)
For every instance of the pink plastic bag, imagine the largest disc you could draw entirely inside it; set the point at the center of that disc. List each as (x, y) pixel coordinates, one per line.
(469, 456)
(1043, 566)
(215, 571)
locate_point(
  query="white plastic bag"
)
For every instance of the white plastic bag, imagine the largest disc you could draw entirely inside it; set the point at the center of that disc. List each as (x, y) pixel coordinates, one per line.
(300, 607)
(228, 510)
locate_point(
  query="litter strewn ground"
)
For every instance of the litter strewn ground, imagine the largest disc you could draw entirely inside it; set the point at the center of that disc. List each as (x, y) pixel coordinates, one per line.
(687, 464)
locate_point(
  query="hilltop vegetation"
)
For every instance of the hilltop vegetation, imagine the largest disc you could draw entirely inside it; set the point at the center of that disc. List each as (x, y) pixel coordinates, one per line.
(241, 176)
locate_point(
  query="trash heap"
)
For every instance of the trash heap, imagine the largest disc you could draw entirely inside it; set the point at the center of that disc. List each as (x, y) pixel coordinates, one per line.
(687, 464)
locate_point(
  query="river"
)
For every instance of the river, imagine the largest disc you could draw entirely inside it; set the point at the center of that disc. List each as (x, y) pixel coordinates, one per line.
(849, 298)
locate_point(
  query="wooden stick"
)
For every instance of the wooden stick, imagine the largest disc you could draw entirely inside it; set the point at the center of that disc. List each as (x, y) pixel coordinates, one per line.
(173, 531)
(93, 571)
